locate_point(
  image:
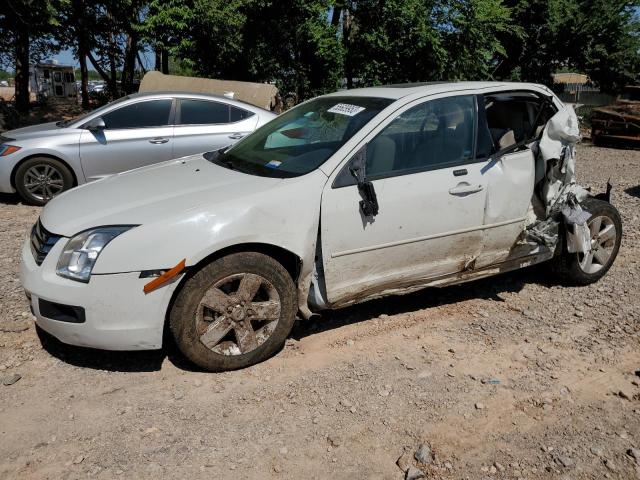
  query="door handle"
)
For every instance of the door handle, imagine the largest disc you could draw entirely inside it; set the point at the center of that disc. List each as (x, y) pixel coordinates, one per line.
(236, 136)
(158, 140)
(464, 188)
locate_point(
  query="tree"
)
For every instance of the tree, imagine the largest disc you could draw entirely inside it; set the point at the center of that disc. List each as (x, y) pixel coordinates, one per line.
(27, 27)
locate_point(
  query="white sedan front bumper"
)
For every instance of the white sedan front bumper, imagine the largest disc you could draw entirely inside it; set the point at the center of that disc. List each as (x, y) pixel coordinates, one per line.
(117, 314)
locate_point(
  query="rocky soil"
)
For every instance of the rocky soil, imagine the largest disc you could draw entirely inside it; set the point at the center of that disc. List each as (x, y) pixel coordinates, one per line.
(505, 378)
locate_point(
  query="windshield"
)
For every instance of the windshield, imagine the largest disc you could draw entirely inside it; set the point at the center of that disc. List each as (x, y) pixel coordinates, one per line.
(302, 139)
(64, 123)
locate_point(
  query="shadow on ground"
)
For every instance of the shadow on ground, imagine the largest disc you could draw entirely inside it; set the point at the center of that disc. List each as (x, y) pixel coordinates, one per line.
(10, 198)
(487, 288)
(149, 361)
(140, 361)
(633, 191)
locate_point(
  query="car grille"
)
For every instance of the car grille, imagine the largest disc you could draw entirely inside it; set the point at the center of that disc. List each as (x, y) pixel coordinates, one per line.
(41, 242)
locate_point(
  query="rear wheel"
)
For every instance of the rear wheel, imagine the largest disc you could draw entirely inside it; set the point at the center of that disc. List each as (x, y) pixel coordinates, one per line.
(39, 179)
(605, 227)
(234, 312)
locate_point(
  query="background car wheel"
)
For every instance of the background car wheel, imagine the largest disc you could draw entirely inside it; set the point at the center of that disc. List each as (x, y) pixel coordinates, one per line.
(606, 234)
(234, 312)
(40, 179)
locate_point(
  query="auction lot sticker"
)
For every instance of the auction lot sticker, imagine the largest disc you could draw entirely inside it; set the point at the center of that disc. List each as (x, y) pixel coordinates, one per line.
(346, 109)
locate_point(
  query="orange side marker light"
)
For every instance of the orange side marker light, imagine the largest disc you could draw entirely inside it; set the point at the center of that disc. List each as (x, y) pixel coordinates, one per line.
(165, 277)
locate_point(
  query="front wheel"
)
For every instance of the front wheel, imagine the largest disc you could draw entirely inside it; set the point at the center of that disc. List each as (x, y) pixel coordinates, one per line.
(235, 312)
(40, 179)
(605, 227)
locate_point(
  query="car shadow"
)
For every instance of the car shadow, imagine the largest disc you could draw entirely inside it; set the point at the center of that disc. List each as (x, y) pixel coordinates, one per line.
(10, 198)
(152, 360)
(487, 288)
(633, 191)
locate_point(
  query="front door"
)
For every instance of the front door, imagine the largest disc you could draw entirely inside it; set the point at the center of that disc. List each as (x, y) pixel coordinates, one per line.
(431, 194)
(136, 135)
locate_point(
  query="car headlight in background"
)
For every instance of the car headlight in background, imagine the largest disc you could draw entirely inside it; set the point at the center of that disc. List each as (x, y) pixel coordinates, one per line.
(8, 149)
(81, 252)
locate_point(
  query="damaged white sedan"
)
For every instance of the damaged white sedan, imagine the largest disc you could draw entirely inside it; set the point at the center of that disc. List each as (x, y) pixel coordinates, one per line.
(346, 197)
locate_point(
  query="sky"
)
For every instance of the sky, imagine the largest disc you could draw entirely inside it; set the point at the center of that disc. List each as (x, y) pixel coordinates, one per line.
(66, 57)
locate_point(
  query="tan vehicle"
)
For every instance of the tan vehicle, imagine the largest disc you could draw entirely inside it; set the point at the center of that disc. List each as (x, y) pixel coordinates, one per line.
(620, 122)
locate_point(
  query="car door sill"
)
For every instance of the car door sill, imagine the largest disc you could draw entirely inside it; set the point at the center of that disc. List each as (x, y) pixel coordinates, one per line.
(400, 287)
(424, 238)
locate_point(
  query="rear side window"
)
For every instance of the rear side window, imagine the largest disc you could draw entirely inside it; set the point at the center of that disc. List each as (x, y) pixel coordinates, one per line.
(204, 112)
(524, 113)
(152, 113)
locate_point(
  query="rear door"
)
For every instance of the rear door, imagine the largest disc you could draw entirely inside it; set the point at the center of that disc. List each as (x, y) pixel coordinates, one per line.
(136, 135)
(206, 125)
(510, 178)
(431, 196)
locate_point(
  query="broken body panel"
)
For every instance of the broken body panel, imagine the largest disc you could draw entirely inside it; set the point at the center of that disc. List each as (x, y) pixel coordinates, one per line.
(433, 227)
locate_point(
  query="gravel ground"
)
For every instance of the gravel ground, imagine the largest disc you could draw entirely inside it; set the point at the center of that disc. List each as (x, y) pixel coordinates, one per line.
(508, 377)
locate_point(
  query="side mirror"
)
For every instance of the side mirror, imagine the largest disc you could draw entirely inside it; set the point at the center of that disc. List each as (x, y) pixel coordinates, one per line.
(95, 124)
(369, 203)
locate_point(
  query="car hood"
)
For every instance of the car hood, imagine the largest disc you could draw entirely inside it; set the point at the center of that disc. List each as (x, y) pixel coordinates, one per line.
(150, 194)
(34, 131)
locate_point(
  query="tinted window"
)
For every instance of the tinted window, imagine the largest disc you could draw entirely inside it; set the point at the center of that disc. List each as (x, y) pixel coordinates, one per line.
(434, 134)
(238, 114)
(203, 112)
(153, 113)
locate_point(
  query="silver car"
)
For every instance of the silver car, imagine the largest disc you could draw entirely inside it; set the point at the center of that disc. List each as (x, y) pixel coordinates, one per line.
(44, 160)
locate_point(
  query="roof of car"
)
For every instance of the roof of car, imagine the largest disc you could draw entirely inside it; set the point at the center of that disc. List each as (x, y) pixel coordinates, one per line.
(397, 91)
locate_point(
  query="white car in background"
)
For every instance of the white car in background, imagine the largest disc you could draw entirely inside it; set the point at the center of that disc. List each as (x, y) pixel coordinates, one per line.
(42, 161)
(379, 191)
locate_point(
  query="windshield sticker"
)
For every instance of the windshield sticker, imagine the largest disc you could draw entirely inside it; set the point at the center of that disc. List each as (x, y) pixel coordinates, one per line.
(346, 109)
(273, 164)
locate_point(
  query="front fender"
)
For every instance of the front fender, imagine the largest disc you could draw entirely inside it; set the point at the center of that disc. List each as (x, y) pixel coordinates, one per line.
(285, 216)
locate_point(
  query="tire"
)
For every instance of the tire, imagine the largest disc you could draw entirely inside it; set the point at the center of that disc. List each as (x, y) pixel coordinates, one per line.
(575, 268)
(39, 179)
(211, 315)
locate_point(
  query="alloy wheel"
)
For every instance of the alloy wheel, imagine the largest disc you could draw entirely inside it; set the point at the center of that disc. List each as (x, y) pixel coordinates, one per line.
(237, 314)
(603, 241)
(43, 182)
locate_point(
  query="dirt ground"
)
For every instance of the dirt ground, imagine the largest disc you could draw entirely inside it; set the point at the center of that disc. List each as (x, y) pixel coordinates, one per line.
(509, 377)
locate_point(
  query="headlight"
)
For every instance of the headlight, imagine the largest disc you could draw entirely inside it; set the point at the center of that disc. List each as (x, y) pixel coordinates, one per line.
(8, 149)
(81, 252)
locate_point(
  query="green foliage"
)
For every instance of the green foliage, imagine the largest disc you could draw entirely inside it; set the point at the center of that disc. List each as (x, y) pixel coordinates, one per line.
(308, 47)
(597, 37)
(395, 41)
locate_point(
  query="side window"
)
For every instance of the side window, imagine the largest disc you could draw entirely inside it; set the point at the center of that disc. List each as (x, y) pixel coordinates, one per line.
(153, 113)
(525, 114)
(236, 114)
(435, 134)
(205, 112)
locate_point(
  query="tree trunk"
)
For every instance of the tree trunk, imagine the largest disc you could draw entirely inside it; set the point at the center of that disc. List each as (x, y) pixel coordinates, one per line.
(84, 79)
(165, 61)
(346, 41)
(83, 48)
(129, 67)
(22, 69)
(158, 65)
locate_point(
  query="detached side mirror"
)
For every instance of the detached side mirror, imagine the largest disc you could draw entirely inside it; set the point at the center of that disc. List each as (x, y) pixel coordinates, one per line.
(369, 203)
(96, 124)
